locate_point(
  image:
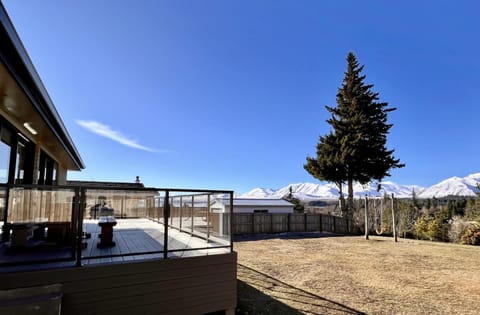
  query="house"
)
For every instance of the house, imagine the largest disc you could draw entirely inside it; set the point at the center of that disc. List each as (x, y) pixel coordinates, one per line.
(35, 146)
(246, 205)
(50, 253)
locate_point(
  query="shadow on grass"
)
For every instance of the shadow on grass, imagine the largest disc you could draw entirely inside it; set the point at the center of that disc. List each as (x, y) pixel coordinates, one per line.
(286, 236)
(259, 293)
(253, 302)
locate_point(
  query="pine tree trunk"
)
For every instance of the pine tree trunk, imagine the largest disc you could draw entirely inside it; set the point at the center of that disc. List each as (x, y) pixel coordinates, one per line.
(341, 200)
(350, 199)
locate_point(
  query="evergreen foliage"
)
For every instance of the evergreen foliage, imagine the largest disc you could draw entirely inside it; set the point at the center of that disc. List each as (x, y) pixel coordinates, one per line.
(356, 148)
(298, 206)
(472, 209)
(428, 204)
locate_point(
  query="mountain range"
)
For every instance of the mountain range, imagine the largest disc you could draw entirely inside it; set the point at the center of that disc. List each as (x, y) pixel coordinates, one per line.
(455, 186)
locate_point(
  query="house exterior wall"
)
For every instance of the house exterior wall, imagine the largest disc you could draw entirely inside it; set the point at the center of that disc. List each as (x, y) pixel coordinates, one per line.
(61, 175)
(271, 209)
(221, 207)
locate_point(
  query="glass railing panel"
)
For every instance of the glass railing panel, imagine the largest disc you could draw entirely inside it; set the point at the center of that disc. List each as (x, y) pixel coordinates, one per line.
(119, 203)
(103, 225)
(122, 225)
(39, 226)
(197, 224)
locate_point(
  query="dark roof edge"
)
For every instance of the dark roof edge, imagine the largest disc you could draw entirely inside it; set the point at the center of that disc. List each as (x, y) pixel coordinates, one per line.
(93, 184)
(48, 110)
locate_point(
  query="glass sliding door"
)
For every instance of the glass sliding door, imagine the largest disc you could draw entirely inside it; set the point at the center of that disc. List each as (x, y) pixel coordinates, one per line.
(20, 163)
(5, 151)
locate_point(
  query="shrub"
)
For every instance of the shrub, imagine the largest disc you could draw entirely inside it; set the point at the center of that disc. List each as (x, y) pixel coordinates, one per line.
(458, 224)
(471, 235)
(430, 228)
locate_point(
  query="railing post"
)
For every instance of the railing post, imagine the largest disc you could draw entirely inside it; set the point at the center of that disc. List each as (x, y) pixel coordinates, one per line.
(208, 216)
(171, 216)
(79, 205)
(5, 235)
(193, 202)
(180, 215)
(231, 221)
(166, 214)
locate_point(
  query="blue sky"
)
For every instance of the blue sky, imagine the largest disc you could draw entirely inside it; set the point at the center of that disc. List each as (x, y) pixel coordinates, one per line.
(232, 94)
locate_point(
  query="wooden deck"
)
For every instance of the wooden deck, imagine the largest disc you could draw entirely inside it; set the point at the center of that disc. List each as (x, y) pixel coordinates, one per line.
(135, 240)
(144, 236)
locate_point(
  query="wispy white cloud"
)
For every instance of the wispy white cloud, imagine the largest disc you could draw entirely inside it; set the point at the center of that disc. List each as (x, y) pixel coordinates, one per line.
(107, 132)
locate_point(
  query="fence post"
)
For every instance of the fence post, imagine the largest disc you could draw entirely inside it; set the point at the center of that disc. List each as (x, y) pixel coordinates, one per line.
(334, 224)
(271, 222)
(366, 217)
(288, 222)
(320, 222)
(253, 223)
(305, 223)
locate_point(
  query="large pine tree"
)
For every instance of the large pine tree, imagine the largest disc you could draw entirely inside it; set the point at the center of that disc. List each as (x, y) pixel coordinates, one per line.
(356, 148)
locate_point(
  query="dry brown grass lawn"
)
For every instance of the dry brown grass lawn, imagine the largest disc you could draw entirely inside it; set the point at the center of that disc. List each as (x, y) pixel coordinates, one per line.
(349, 275)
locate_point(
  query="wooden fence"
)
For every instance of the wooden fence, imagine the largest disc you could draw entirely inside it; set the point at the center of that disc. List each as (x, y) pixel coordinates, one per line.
(253, 223)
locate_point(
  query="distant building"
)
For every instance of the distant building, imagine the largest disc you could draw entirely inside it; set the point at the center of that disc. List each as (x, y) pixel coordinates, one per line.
(246, 205)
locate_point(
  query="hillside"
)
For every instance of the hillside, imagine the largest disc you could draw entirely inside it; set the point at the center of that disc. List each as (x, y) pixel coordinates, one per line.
(455, 186)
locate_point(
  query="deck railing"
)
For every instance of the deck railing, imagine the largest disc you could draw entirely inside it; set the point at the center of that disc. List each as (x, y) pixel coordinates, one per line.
(43, 224)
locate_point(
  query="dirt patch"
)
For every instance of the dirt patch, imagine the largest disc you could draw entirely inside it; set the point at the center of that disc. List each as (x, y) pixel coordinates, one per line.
(322, 274)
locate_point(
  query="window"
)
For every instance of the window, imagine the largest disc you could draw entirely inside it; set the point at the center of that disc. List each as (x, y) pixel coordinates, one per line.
(5, 149)
(47, 170)
(260, 211)
(16, 156)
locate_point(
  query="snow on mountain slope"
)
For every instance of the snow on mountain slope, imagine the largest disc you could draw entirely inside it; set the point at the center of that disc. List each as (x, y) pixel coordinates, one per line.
(309, 191)
(259, 193)
(453, 186)
(305, 191)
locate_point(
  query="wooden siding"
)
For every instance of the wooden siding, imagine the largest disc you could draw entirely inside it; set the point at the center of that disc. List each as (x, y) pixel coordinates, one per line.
(195, 285)
(254, 223)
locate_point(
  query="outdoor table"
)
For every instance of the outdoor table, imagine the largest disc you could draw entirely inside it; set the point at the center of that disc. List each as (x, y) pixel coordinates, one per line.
(106, 236)
(21, 233)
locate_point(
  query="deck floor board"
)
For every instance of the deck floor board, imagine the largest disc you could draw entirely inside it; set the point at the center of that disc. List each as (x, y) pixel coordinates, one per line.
(131, 236)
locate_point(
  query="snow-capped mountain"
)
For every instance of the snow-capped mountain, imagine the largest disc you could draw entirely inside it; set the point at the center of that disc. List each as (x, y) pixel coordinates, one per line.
(258, 193)
(305, 191)
(454, 186)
